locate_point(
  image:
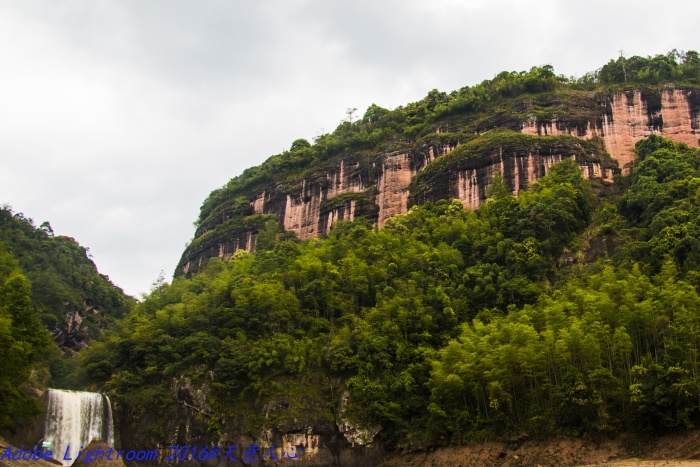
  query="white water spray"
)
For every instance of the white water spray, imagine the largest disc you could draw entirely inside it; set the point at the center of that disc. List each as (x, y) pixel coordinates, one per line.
(74, 418)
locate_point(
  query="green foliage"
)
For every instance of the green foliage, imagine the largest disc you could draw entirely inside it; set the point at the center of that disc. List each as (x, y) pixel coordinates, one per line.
(662, 205)
(299, 145)
(43, 279)
(64, 279)
(446, 325)
(23, 343)
(672, 67)
(600, 354)
(504, 101)
(296, 324)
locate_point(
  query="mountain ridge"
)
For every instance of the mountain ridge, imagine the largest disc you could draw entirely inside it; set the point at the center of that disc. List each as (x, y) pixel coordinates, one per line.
(569, 310)
(517, 124)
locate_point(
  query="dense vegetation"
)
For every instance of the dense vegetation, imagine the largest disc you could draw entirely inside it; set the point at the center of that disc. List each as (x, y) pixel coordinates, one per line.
(504, 101)
(572, 309)
(64, 280)
(23, 340)
(557, 312)
(44, 279)
(673, 67)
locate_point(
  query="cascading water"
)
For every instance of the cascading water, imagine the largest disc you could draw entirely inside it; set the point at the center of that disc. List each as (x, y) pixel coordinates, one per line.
(74, 418)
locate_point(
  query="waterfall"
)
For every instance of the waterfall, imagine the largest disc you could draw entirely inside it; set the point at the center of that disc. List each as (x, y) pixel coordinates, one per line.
(74, 418)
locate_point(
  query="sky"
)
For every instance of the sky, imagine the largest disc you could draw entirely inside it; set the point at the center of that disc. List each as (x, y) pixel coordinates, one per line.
(118, 118)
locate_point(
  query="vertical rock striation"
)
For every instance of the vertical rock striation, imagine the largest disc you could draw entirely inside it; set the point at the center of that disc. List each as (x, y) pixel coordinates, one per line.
(382, 185)
(467, 173)
(625, 118)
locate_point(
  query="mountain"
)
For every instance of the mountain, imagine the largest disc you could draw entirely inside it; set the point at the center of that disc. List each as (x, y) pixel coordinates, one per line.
(71, 298)
(567, 310)
(450, 146)
(53, 303)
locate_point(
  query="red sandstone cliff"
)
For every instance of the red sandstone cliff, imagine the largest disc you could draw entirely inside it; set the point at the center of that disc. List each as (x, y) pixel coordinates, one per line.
(381, 185)
(632, 118)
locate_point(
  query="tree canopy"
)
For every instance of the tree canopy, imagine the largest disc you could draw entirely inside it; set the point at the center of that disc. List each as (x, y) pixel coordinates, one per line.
(446, 325)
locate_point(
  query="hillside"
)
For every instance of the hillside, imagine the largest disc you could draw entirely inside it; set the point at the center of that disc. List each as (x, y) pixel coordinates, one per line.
(448, 146)
(53, 303)
(72, 299)
(567, 310)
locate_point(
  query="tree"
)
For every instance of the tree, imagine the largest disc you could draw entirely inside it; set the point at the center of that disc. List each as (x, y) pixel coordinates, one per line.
(350, 115)
(298, 144)
(22, 341)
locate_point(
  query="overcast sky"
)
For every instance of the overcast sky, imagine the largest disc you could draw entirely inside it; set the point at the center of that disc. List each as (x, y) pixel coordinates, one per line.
(117, 118)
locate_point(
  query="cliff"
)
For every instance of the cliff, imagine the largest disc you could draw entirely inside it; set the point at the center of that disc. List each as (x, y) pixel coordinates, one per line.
(314, 440)
(454, 154)
(631, 116)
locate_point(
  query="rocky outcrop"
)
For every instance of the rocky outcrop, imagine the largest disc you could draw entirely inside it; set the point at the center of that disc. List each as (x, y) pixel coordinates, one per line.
(355, 434)
(467, 173)
(95, 457)
(397, 173)
(14, 447)
(625, 118)
(222, 241)
(78, 328)
(385, 184)
(308, 441)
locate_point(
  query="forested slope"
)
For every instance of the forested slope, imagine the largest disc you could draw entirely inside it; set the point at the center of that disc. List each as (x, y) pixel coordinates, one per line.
(73, 300)
(461, 268)
(570, 309)
(449, 145)
(53, 302)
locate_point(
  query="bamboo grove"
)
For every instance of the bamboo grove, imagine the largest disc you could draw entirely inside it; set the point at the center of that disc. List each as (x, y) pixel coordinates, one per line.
(571, 309)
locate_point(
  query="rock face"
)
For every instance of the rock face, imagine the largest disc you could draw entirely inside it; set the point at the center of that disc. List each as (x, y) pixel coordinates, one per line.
(629, 117)
(457, 165)
(72, 334)
(466, 174)
(309, 442)
(96, 457)
(22, 462)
